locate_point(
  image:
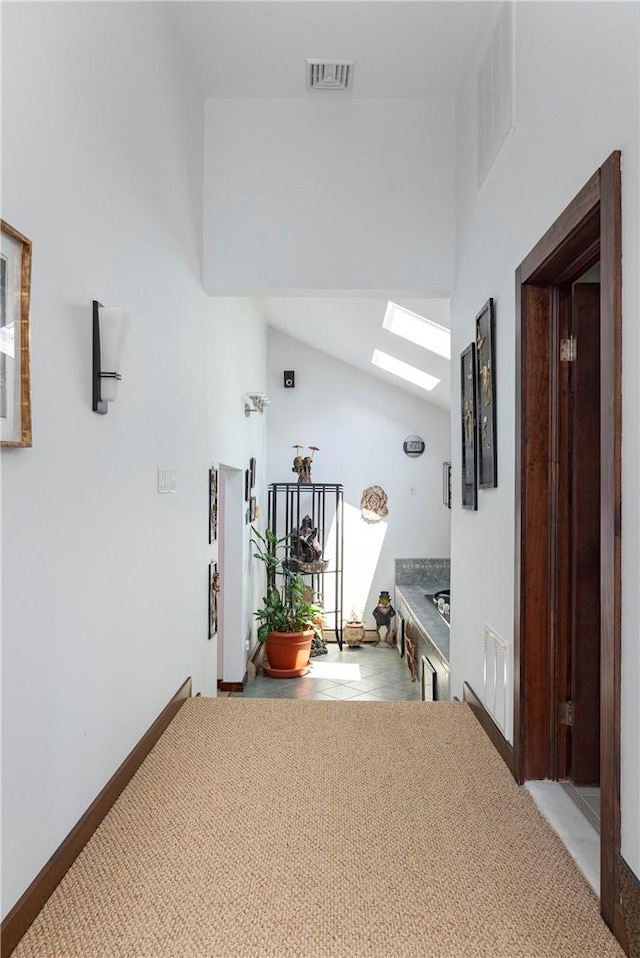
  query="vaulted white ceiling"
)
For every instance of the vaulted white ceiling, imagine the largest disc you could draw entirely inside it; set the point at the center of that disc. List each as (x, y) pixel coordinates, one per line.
(258, 48)
(350, 328)
(404, 49)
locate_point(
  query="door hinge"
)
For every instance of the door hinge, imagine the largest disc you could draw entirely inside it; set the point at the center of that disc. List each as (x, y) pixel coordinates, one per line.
(568, 350)
(565, 713)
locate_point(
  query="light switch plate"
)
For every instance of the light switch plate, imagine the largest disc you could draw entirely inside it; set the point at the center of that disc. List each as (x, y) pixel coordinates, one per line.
(166, 481)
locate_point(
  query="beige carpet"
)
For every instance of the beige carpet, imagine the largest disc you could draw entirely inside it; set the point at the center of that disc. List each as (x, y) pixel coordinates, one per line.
(274, 829)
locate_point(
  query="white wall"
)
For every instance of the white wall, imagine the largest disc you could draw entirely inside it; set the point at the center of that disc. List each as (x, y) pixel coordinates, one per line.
(577, 101)
(234, 349)
(104, 581)
(360, 423)
(354, 194)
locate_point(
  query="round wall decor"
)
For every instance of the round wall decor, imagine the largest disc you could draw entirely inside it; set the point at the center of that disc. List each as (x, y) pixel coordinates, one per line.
(414, 446)
(373, 504)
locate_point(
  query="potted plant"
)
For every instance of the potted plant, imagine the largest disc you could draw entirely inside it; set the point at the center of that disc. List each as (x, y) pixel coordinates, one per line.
(286, 618)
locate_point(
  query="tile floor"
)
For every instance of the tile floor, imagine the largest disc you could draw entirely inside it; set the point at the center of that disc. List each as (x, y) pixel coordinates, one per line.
(370, 672)
(573, 828)
(587, 799)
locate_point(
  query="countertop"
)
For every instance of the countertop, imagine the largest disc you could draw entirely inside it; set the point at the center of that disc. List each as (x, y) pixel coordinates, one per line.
(414, 579)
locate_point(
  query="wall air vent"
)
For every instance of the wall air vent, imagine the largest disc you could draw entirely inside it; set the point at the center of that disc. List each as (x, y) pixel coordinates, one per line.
(496, 101)
(496, 666)
(329, 74)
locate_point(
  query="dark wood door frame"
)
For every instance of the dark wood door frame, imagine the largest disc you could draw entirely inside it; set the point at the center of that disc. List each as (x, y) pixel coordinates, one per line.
(588, 230)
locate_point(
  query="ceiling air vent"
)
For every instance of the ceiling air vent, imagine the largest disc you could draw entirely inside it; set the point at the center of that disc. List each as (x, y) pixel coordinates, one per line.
(496, 106)
(329, 74)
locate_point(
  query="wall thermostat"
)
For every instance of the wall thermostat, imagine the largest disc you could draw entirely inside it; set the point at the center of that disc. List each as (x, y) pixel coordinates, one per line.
(414, 446)
(289, 379)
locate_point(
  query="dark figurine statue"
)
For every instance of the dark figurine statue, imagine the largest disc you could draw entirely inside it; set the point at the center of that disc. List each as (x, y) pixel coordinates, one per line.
(305, 544)
(304, 476)
(302, 464)
(383, 614)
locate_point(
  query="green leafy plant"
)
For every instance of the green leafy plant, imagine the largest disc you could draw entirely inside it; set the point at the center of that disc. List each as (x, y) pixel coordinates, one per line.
(285, 607)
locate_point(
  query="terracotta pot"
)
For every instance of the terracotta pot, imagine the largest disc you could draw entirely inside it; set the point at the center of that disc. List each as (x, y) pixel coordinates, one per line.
(354, 633)
(289, 650)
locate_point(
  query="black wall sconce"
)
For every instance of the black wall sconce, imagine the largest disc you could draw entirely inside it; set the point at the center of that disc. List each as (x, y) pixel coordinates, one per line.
(110, 325)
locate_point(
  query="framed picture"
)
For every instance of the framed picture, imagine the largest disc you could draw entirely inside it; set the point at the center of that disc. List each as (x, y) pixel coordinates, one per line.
(15, 291)
(214, 588)
(253, 508)
(252, 471)
(213, 505)
(486, 399)
(446, 484)
(468, 421)
(247, 485)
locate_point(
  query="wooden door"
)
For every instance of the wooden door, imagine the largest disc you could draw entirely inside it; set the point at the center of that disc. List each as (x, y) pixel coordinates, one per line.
(588, 230)
(584, 766)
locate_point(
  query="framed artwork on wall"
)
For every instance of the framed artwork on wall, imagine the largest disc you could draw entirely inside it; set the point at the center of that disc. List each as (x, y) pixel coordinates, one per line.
(15, 293)
(468, 421)
(252, 471)
(486, 398)
(213, 505)
(446, 484)
(247, 485)
(214, 588)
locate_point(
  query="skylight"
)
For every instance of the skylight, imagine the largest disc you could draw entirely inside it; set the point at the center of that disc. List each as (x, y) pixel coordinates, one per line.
(423, 332)
(403, 370)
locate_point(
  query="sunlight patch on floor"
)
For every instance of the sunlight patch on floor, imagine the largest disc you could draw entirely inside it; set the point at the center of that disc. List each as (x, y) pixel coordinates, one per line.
(347, 671)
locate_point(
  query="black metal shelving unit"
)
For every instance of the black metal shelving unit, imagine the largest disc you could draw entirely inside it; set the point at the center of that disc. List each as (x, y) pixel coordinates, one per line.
(288, 504)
